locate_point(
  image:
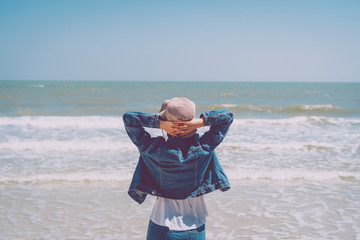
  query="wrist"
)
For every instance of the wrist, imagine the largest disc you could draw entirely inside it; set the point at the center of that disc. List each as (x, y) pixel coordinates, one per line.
(161, 126)
(200, 122)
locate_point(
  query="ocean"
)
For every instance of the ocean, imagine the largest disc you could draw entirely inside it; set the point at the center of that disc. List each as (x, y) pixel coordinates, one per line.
(292, 156)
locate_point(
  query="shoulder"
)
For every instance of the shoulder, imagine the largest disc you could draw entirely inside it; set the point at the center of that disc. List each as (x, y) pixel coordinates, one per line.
(156, 144)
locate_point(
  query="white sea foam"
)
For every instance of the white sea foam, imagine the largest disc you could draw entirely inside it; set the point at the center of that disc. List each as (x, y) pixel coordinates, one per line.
(107, 122)
(229, 105)
(299, 121)
(66, 146)
(70, 177)
(86, 122)
(281, 146)
(277, 175)
(292, 175)
(37, 86)
(125, 145)
(302, 108)
(319, 106)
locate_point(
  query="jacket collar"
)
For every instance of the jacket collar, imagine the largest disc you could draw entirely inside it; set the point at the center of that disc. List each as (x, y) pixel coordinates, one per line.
(180, 143)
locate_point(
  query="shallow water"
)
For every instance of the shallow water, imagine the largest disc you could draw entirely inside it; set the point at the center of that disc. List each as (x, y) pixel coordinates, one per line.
(249, 210)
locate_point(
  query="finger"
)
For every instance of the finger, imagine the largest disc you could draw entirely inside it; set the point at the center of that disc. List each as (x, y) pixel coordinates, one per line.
(183, 125)
(181, 132)
(178, 124)
(180, 129)
(184, 133)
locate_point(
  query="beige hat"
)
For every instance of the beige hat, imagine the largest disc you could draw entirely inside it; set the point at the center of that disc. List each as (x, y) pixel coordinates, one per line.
(177, 108)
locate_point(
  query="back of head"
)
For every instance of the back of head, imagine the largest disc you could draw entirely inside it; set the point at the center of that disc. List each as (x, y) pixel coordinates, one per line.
(177, 109)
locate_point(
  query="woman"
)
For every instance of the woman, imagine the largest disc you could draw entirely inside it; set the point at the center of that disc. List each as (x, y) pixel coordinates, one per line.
(178, 170)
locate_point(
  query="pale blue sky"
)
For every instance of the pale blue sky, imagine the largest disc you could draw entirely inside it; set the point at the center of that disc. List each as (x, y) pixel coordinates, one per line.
(180, 40)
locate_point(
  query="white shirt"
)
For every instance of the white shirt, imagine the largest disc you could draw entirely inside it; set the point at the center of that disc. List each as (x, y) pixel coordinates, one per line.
(179, 215)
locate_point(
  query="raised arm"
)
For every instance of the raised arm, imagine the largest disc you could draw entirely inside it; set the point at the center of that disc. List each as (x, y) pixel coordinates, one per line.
(134, 124)
(219, 122)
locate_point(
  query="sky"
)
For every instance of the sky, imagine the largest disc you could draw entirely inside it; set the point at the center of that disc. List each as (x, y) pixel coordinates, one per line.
(180, 40)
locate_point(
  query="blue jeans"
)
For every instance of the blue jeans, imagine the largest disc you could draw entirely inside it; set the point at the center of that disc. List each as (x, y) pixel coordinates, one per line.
(157, 232)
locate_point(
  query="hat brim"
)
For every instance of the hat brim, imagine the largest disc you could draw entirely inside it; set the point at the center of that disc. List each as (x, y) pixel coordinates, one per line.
(162, 115)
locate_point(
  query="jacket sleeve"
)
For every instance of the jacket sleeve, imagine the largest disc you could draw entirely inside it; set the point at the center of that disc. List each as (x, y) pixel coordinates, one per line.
(134, 125)
(219, 122)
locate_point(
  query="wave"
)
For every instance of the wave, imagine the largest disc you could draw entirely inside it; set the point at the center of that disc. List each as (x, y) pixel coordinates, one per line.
(283, 146)
(300, 121)
(66, 146)
(123, 146)
(37, 86)
(301, 108)
(106, 122)
(310, 108)
(267, 175)
(292, 175)
(70, 177)
(85, 122)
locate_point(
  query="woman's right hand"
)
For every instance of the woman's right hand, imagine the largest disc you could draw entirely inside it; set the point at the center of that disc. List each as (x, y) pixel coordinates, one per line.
(189, 126)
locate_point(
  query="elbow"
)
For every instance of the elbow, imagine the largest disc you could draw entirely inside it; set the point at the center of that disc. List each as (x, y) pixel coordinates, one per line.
(127, 116)
(124, 117)
(230, 116)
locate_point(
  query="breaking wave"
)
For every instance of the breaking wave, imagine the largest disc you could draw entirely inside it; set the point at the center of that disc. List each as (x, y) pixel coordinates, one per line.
(87, 122)
(285, 175)
(105, 122)
(293, 109)
(69, 177)
(292, 175)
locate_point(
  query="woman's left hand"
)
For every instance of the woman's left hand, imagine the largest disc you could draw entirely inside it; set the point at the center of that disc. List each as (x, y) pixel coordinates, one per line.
(175, 129)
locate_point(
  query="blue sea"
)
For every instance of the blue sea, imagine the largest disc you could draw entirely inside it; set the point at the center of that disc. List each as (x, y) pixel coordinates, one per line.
(292, 157)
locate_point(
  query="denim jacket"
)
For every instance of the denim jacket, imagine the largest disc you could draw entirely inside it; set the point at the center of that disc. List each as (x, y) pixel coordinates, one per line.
(178, 168)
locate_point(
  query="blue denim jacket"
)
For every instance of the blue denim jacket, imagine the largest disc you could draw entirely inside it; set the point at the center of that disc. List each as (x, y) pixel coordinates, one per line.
(178, 168)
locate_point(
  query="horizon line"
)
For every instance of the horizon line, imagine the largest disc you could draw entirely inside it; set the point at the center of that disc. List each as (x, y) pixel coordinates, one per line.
(187, 81)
